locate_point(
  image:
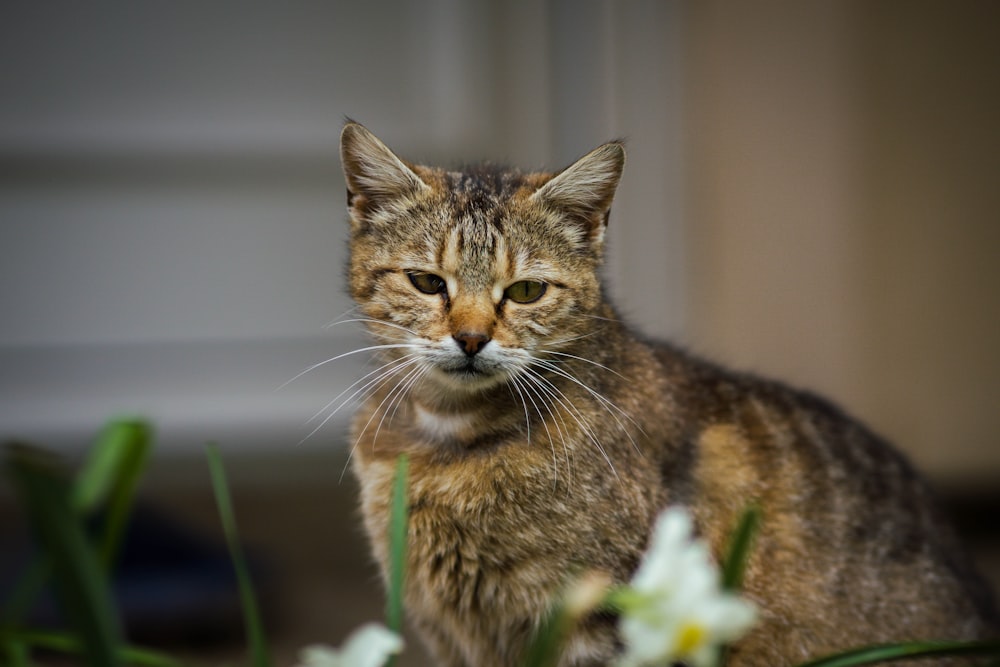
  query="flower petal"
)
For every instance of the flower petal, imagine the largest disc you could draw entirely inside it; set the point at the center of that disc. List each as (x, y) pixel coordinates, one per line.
(370, 646)
(319, 655)
(675, 607)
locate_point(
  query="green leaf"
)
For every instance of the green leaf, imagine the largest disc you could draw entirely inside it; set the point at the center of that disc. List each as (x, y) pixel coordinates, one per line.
(16, 652)
(399, 521)
(110, 477)
(740, 545)
(80, 583)
(259, 653)
(99, 473)
(64, 643)
(905, 651)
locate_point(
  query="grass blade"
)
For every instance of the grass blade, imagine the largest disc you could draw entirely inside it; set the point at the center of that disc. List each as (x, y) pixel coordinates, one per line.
(740, 544)
(398, 527)
(735, 564)
(260, 656)
(80, 583)
(548, 639)
(907, 651)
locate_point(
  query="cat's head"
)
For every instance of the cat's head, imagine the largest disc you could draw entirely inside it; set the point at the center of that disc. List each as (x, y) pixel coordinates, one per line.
(476, 273)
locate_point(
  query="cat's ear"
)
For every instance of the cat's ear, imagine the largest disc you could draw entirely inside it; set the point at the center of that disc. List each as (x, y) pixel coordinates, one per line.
(373, 173)
(585, 188)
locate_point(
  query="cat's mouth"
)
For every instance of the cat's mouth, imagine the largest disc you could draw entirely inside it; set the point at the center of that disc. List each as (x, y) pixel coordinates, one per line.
(468, 369)
(457, 370)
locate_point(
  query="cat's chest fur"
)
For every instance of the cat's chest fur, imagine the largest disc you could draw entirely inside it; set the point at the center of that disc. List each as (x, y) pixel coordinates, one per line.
(495, 536)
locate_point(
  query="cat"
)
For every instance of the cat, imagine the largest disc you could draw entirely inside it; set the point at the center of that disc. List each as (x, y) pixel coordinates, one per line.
(544, 436)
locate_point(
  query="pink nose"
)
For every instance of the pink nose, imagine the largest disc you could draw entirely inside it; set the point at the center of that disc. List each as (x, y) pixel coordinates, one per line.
(470, 342)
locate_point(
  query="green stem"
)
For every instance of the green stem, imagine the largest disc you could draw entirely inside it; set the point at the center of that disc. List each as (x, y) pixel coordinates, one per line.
(871, 655)
(251, 614)
(398, 529)
(64, 643)
(27, 588)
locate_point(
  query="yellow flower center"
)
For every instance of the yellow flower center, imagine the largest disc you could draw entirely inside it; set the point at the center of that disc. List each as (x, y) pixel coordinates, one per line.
(690, 637)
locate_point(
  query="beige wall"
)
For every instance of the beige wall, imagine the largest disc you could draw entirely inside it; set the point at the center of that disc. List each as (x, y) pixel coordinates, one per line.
(844, 211)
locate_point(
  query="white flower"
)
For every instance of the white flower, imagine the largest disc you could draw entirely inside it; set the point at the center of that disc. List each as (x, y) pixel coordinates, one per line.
(368, 646)
(675, 608)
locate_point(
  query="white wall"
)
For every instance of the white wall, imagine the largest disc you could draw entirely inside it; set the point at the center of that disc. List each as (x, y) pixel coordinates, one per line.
(171, 203)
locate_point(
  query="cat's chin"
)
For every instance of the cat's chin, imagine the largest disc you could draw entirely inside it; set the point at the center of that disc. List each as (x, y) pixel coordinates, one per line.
(466, 380)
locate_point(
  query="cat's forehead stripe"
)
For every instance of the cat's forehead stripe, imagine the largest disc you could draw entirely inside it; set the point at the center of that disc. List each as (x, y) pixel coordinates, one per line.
(478, 245)
(451, 251)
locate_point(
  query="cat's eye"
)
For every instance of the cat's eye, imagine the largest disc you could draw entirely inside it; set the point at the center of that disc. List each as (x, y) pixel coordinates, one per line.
(428, 283)
(525, 291)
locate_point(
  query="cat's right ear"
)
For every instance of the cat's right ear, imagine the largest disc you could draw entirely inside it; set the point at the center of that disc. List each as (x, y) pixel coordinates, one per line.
(373, 173)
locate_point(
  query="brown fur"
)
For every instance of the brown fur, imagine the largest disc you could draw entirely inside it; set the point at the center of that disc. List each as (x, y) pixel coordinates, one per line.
(554, 451)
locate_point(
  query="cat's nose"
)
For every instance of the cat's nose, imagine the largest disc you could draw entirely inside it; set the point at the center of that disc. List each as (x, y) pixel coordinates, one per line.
(471, 342)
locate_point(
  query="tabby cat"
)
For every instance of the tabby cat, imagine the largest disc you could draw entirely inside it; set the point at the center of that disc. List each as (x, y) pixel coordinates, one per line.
(544, 436)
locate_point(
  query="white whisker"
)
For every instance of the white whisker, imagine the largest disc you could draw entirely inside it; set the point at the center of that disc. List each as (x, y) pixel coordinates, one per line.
(368, 320)
(380, 371)
(525, 384)
(516, 385)
(394, 397)
(588, 361)
(558, 396)
(343, 314)
(369, 388)
(521, 390)
(370, 348)
(419, 370)
(424, 369)
(609, 406)
(599, 317)
(563, 341)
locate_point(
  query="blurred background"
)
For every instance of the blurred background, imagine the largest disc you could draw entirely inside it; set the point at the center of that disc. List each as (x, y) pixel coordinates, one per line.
(811, 193)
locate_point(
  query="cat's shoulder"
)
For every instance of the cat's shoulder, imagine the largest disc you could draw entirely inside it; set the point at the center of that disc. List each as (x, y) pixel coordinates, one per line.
(719, 393)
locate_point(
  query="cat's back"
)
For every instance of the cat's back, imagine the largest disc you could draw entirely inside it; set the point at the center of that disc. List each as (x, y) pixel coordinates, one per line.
(846, 517)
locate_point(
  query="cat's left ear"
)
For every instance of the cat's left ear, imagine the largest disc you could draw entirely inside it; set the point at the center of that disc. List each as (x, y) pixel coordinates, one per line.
(585, 189)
